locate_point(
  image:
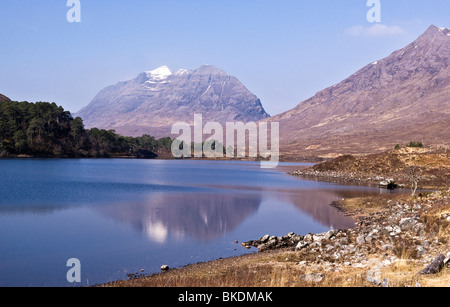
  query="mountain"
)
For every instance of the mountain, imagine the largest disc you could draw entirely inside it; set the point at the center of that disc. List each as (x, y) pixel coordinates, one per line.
(4, 98)
(404, 97)
(155, 100)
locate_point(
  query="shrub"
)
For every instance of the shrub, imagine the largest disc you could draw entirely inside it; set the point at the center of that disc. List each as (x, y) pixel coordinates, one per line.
(415, 144)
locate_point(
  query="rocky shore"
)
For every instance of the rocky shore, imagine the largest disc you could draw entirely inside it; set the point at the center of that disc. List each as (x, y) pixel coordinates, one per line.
(343, 176)
(414, 230)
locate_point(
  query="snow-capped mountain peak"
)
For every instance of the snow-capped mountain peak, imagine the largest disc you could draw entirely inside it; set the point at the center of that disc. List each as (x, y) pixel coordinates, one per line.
(159, 74)
(181, 71)
(155, 100)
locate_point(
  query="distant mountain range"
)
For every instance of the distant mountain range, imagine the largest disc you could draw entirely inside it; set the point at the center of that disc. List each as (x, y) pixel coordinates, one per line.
(404, 97)
(155, 100)
(401, 98)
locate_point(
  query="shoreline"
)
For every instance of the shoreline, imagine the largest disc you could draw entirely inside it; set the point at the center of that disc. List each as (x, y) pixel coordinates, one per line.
(311, 160)
(394, 238)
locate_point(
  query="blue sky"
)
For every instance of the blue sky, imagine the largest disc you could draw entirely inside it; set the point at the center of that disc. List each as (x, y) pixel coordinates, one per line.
(284, 51)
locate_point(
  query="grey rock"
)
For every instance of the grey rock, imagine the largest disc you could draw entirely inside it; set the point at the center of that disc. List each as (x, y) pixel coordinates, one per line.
(369, 239)
(329, 247)
(272, 242)
(290, 235)
(309, 238)
(425, 243)
(329, 234)
(301, 245)
(435, 267)
(318, 237)
(360, 240)
(395, 230)
(418, 229)
(262, 247)
(386, 247)
(165, 268)
(421, 250)
(447, 260)
(342, 241)
(374, 277)
(373, 233)
(314, 277)
(337, 255)
(316, 245)
(264, 239)
(407, 223)
(297, 238)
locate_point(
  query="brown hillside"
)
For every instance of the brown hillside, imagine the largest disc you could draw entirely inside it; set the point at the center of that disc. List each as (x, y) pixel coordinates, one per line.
(392, 101)
(434, 168)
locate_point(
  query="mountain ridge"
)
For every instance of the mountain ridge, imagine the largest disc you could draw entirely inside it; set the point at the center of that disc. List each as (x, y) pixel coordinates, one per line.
(155, 100)
(370, 110)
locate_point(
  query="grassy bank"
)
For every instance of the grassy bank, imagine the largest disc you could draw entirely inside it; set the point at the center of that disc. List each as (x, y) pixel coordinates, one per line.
(406, 166)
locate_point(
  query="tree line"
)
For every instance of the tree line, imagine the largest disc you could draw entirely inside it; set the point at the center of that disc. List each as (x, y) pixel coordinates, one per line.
(46, 130)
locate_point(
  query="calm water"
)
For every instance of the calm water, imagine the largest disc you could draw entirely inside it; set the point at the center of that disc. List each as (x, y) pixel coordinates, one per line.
(120, 216)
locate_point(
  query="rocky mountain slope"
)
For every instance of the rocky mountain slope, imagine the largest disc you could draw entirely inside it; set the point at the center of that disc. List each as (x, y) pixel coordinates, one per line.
(4, 98)
(392, 101)
(155, 100)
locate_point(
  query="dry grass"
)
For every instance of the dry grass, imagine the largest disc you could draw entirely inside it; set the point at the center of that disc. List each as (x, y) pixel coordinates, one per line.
(434, 167)
(275, 269)
(435, 223)
(281, 269)
(422, 157)
(365, 206)
(405, 249)
(404, 274)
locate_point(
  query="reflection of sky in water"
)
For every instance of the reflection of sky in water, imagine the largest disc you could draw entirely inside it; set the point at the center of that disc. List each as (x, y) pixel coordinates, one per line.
(118, 216)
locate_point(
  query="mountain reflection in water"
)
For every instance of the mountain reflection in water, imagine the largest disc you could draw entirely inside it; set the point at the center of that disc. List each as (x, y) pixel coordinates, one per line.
(209, 216)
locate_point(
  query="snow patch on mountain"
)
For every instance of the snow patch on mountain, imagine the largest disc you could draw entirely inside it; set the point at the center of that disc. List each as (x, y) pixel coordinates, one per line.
(158, 75)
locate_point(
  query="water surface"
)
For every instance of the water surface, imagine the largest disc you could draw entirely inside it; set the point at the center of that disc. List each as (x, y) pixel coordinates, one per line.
(120, 216)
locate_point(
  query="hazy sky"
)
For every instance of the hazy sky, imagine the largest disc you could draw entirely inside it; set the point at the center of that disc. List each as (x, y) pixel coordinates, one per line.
(283, 51)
